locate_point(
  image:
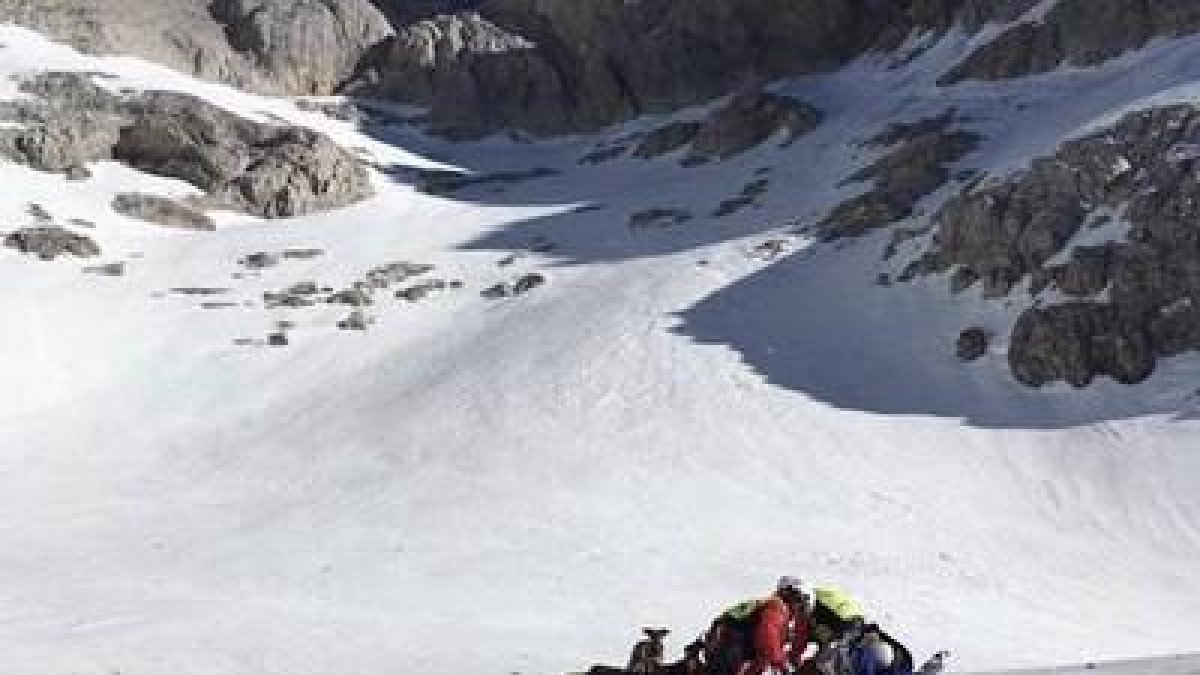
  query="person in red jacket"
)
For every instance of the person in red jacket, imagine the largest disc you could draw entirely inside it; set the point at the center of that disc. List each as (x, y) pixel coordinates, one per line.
(781, 635)
(761, 637)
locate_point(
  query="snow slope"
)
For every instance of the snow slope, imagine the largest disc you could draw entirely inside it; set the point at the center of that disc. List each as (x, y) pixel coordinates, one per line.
(499, 486)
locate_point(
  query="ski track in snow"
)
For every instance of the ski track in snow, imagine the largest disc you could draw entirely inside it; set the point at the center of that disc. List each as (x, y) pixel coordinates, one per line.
(479, 486)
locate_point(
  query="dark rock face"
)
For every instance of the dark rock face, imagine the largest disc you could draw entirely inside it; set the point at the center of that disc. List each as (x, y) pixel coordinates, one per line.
(265, 170)
(552, 66)
(657, 218)
(1133, 300)
(1082, 32)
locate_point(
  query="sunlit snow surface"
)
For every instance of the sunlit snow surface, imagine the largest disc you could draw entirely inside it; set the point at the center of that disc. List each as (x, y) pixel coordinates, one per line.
(499, 486)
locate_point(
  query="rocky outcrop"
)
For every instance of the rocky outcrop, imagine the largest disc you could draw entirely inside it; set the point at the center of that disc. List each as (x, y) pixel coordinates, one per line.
(304, 46)
(1131, 300)
(266, 170)
(552, 66)
(746, 121)
(272, 46)
(545, 66)
(70, 122)
(916, 164)
(1078, 342)
(1079, 32)
(476, 77)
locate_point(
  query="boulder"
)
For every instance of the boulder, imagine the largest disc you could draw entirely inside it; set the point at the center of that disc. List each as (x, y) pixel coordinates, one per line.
(50, 242)
(972, 344)
(1078, 342)
(268, 171)
(161, 211)
(265, 170)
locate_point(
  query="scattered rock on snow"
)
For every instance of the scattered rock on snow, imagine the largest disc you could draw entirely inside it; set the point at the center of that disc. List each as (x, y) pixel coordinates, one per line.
(49, 242)
(422, 290)
(769, 250)
(658, 218)
(39, 213)
(200, 290)
(395, 272)
(287, 299)
(527, 283)
(113, 269)
(302, 253)
(77, 173)
(356, 320)
(494, 291)
(354, 297)
(259, 261)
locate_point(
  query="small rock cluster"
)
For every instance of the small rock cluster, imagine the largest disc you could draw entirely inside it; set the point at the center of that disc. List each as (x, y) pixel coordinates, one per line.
(357, 297)
(47, 240)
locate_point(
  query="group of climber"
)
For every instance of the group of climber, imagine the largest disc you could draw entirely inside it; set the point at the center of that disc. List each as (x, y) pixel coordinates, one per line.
(803, 630)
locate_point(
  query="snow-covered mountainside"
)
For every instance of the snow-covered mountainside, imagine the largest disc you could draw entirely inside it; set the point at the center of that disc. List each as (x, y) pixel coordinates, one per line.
(515, 398)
